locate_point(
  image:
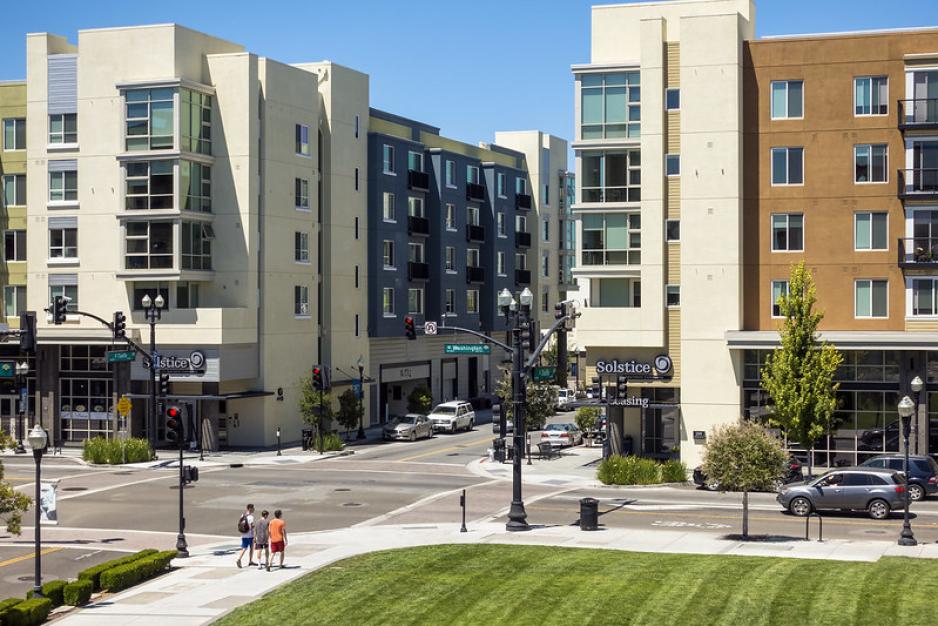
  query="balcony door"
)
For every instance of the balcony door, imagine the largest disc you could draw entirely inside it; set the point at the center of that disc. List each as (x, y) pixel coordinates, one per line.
(925, 166)
(925, 92)
(925, 234)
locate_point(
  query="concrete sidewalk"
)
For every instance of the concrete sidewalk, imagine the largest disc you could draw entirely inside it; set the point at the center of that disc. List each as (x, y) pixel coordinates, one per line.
(576, 467)
(208, 584)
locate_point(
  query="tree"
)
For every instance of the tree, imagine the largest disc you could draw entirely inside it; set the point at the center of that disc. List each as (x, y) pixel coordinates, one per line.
(542, 400)
(311, 401)
(419, 400)
(744, 457)
(586, 417)
(350, 410)
(799, 375)
(12, 503)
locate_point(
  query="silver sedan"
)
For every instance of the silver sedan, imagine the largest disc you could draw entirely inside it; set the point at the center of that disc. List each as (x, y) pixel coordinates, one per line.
(411, 427)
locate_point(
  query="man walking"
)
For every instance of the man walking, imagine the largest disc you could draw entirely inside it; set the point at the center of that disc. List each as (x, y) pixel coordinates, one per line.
(246, 528)
(261, 539)
(278, 537)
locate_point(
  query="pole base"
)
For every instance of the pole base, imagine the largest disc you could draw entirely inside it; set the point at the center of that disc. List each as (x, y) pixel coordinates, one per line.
(907, 540)
(361, 433)
(182, 549)
(517, 518)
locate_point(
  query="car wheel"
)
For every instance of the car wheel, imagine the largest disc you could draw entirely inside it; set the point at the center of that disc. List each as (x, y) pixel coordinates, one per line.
(878, 509)
(916, 492)
(800, 506)
(413, 435)
(712, 485)
(453, 430)
(471, 425)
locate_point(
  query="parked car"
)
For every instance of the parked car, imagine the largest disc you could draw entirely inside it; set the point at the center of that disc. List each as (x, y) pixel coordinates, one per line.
(923, 472)
(453, 416)
(411, 427)
(496, 426)
(562, 435)
(564, 398)
(876, 490)
(793, 475)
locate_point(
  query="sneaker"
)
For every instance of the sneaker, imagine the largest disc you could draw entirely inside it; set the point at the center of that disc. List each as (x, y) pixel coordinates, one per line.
(239, 563)
(251, 563)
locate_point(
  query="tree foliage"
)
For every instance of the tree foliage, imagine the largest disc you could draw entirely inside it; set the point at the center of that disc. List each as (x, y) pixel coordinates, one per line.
(542, 400)
(315, 408)
(350, 410)
(419, 400)
(12, 503)
(586, 417)
(799, 375)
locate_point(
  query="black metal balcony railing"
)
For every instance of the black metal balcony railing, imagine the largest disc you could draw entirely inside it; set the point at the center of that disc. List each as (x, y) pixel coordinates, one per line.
(918, 113)
(475, 233)
(418, 180)
(418, 225)
(522, 277)
(612, 194)
(918, 183)
(475, 275)
(523, 201)
(918, 252)
(418, 271)
(475, 192)
(523, 240)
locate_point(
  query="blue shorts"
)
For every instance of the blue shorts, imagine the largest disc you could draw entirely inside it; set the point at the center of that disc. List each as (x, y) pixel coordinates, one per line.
(246, 542)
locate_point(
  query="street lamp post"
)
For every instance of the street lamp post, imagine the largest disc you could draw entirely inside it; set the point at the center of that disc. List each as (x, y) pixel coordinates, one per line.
(917, 385)
(22, 370)
(361, 398)
(906, 408)
(37, 439)
(153, 309)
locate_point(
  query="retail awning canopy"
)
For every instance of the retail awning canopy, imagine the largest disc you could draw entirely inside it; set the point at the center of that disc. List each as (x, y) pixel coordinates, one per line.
(845, 340)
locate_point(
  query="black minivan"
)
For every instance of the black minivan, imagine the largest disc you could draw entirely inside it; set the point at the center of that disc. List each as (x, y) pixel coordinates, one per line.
(923, 470)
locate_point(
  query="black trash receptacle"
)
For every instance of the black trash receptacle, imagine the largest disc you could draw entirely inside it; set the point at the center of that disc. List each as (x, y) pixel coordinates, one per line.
(628, 445)
(498, 445)
(307, 437)
(589, 514)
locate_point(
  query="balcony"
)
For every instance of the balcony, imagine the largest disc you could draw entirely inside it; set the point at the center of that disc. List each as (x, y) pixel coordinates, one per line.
(918, 184)
(475, 232)
(418, 271)
(474, 192)
(419, 181)
(611, 194)
(475, 275)
(522, 240)
(522, 277)
(523, 201)
(418, 226)
(918, 253)
(918, 114)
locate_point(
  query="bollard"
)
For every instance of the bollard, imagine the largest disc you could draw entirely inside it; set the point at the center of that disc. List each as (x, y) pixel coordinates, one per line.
(462, 503)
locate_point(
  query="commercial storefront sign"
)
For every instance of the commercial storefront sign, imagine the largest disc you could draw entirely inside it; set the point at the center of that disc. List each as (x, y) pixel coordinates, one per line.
(396, 374)
(629, 401)
(192, 365)
(660, 366)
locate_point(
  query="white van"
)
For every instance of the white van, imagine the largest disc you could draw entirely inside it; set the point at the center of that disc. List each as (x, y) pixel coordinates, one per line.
(453, 416)
(564, 397)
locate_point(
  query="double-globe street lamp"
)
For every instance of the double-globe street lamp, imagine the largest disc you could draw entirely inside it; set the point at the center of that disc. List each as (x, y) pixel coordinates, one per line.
(22, 371)
(153, 309)
(37, 440)
(906, 408)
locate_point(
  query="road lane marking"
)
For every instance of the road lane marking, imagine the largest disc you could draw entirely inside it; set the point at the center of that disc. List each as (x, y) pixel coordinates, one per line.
(504, 512)
(396, 472)
(413, 505)
(464, 444)
(26, 557)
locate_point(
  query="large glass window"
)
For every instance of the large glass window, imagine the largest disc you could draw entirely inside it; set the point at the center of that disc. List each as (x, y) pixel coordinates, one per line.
(85, 408)
(63, 128)
(197, 246)
(197, 186)
(196, 122)
(149, 118)
(612, 176)
(787, 166)
(871, 163)
(69, 291)
(150, 185)
(612, 239)
(871, 231)
(14, 190)
(415, 301)
(148, 245)
(14, 300)
(924, 294)
(63, 243)
(187, 295)
(787, 99)
(14, 134)
(871, 95)
(610, 105)
(779, 291)
(14, 245)
(63, 186)
(616, 292)
(787, 232)
(872, 297)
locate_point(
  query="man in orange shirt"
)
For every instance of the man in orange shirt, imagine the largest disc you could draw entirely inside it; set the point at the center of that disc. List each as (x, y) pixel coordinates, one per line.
(278, 537)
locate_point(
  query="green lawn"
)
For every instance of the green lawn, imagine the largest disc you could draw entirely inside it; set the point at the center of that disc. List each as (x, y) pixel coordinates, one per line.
(489, 584)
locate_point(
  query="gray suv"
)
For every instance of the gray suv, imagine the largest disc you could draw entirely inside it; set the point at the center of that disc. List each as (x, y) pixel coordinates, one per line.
(876, 491)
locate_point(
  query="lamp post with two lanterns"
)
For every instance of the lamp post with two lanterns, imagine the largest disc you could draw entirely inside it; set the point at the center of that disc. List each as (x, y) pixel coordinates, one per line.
(906, 409)
(22, 371)
(153, 309)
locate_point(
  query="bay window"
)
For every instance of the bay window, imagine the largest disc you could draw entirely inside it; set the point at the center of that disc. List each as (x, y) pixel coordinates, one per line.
(612, 239)
(149, 185)
(197, 246)
(149, 118)
(610, 105)
(612, 176)
(148, 245)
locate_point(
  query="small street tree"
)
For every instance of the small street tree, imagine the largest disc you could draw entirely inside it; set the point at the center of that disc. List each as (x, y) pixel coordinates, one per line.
(542, 400)
(315, 409)
(419, 400)
(586, 417)
(744, 457)
(799, 375)
(350, 412)
(12, 503)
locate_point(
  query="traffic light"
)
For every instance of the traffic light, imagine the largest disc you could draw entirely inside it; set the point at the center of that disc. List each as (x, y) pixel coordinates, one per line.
(622, 387)
(190, 474)
(164, 384)
(27, 331)
(120, 325)
(560, 310)
(317, 378)
(175, 431)
(410, 330)
(59, 310)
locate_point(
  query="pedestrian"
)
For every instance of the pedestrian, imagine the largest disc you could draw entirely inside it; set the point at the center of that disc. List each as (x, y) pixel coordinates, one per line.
(246, 528)
(262, 539)
(278, 537)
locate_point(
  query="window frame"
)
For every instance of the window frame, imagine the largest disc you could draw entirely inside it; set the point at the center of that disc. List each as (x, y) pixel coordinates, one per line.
(16, 122)
(871, 215)
(473, 174)
(871, 281)
(416, 207)
(416, 252)
(450, 218)
(633, 231)
(19, 235)
(912, 300)
(668, 223)
(150, 197)
(450, 174)
(669, 159)
(387, 159)
(389, 207)
(449, 302)
(153, 97)
(301, 247)
(472, 301)
(788, 231)
(668, 92)
(420, 161)
(69, 235)
(626, 129)
(18, 299)
(199, 257)
(301, 141)
(387, 302)
(68, 291)
(63, 133)
(147, 238)
(870, 148)
(773, 304)
(870, 78)
(449, 260)
(301, 301)
(671, 291)
(419, 292)
(501, 263)
(388, 255)
(301, 193)
(473, 257)
(501, 184)
(501, 229)
(787, 83)
(787, 150)
(11, 180)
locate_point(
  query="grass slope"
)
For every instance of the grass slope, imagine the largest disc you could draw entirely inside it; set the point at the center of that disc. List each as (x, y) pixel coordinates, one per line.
(489, 584)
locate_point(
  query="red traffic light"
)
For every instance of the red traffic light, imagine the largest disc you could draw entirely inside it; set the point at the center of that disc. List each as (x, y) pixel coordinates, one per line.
(316, 371)
(408, 320)
(172, 412)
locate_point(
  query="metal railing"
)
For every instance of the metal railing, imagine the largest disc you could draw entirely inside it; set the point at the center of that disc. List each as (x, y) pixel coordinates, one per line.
(918, 251)
(919, 181)
(918, 112)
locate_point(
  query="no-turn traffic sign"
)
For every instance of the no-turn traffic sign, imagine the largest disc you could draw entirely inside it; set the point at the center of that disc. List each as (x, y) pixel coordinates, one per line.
(429, 328)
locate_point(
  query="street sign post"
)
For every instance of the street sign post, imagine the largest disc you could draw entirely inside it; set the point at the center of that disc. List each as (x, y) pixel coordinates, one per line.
(7, 369)
(544, 374)
(121, 356)
(467, 348)
(124, 406)
(429, 328)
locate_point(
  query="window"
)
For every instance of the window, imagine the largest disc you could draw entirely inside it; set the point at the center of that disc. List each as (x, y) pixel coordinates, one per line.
(301, 194)
(14, 190)
(63, 243)
(545, 229)
(472, 174)
(787, 232)
(387, 301)
(197, 186)
(14, 134)
(356, 277)
(196, 121)
(149, 186)
(672, 164)
(521, 261)
(301, 247)
(787, 166)
(672, 295)
(387, 153)
(871, 95)
(357, 122)
(545, 264)
(141, 289)
(612, 176)
(356, 322)
(472, 257)
(149, 118)
(870, 231)
(302, 140)
(415, 301)
(500, 224)
(616, 292)
(197, 246)
(187, 295)
(521, 186)
(472, 301)
(301, 301)
(871, 298)
(612, 239)
(546, 194)
(450, 173)
(610, 105)
(871, 163)
(69, 290)
(521, 223)
(450, 301)
(14, 300)
(356, 179)
(924, 297)
(389, 210)
(672, 99)
(388, 254)
(787, 99)
(672, 230)
(414, 206)
(450, 260)
(779, 290)
(415, 253)
(545, 304)
(501, 182)
(415, 161)
(450, 217)
(356, 228)
(148, 245)
(500, 263)
(14, 245)
(63, 128)
(472, 215)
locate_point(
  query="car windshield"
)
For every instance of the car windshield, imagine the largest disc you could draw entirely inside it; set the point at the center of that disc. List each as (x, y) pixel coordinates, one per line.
(445, 410)
(408, 419)
(557, 427)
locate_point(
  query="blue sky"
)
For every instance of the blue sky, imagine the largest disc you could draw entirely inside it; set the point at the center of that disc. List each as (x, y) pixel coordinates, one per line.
(470, 68)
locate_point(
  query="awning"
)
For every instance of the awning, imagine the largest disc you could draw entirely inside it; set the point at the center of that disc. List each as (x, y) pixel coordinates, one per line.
(844, 340)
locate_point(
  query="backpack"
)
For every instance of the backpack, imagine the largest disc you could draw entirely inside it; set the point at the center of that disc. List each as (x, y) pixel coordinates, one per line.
(243, 525)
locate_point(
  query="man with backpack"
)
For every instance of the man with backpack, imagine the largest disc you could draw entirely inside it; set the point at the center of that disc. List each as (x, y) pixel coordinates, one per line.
(246, 528)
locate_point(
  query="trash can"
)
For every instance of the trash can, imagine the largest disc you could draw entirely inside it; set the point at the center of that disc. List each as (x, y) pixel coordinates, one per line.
(498, 446)
(307, 438)
(589, 514)
(628, 445)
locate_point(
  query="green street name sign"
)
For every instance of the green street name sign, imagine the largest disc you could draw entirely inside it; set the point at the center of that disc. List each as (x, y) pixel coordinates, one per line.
(7, 369)
(544, 374)
(121, 356)
(467, 348)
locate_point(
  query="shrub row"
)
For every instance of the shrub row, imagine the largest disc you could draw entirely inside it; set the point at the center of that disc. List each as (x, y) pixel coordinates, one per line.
(78, 592)
(634, 470)
(52, 590)
(28, 612)
(332, 442)
(94, 573)
(124, 576)
(114, 452)
(6, 605)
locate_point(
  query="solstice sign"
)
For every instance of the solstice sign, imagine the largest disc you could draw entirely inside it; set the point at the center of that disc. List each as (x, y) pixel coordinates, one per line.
(660, 366)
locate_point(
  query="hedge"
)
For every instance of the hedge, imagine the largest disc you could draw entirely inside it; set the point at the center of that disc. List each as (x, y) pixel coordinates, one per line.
(6, 605)
(94, 573)
(124, 576)
(77, 593)
(103, 451)
(634, 470)
(28, 612)
(52, 590)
